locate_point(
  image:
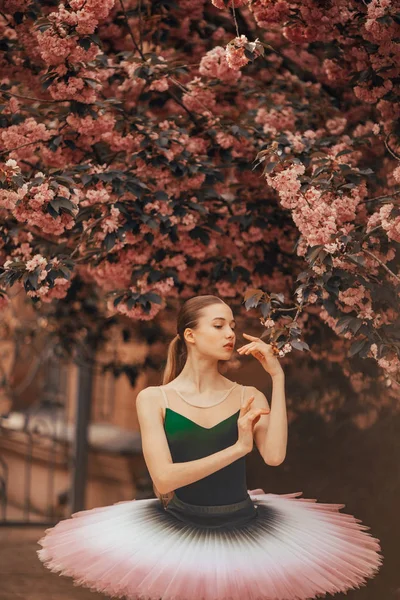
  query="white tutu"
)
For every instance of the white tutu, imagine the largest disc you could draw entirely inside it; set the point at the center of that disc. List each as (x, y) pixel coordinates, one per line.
(295, 549)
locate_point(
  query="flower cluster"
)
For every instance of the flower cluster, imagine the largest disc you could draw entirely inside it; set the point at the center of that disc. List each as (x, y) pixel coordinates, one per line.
(160, 155)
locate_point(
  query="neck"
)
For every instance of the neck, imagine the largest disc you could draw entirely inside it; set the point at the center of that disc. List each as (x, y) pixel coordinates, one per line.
(200, 375)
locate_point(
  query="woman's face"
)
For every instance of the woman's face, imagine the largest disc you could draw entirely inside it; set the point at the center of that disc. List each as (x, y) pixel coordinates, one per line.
(216, 329)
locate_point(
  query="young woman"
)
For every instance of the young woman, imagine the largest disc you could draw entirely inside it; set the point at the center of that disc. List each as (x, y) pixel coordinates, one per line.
(205, 536)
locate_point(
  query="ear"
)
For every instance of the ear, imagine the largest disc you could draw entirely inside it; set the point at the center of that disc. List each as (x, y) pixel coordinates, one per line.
(188, 335)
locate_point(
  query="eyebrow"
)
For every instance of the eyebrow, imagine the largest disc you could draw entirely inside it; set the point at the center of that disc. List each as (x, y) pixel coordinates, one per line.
(223, 319)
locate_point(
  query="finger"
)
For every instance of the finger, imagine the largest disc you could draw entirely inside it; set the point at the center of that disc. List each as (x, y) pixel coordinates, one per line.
(251, 337)
(249, 350)
(246, 405)
(250, 347)
(243, 347)
(251, 416)
(257, 412)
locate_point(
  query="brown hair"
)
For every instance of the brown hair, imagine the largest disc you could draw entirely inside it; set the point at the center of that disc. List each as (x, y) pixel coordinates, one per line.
(188, 316)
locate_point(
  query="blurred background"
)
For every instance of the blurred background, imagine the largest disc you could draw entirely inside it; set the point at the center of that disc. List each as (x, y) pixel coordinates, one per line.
(69, 440)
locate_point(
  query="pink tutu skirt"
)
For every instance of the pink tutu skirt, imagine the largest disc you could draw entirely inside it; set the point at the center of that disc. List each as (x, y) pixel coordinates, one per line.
(293, 549)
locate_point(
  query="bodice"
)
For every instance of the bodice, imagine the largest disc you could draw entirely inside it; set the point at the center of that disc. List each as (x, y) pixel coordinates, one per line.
(189, 441)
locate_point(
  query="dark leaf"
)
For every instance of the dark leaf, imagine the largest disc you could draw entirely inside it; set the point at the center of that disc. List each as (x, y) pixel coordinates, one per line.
(358, 346)
(299, 345)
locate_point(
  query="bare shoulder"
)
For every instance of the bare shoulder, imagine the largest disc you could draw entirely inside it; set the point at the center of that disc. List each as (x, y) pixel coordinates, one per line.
(151, 391)
(251, 389)
(148, 400)
(260, 400)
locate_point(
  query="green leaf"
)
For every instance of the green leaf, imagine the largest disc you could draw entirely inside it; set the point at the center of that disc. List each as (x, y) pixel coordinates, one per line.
(358, 346)
(313, 252)
(265, 309)
(109, 240)
(299, 345)
(360, 260)
(84, 43)
(343, 323)
(153, 297)
(60, 202)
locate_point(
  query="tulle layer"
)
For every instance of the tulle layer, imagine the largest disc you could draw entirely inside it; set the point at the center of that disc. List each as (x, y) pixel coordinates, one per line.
(295, 549)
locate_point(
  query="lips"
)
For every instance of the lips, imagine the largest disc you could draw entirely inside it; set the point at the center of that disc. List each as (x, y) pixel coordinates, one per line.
(229, 346)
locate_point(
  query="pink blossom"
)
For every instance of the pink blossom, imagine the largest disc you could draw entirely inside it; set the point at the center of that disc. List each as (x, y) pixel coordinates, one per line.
(58, 291)
(396, 174)
(199, 98)
(335, 72)
(390, 224)
(159, 85)
(55, 50)
(352, 296)
(336, 126)
(269, 322)
(225, 289)
(37, 261)
(14, 6)
(371, 95)
(223, 5)
(28, 134)
(225, 139)
(111, 223)
(274, 120)
(266, 13)
(197, 145)
(104, 122)
(214, 64)
(75, 89)
(235, 53)
(389, 365)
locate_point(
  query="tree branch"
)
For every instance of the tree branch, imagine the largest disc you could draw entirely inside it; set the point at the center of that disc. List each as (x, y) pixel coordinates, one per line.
(131, 32)
(382, 264)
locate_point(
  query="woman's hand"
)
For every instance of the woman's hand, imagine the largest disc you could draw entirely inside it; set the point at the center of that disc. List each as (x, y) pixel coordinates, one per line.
(265, 353)
(247, 419)
(165, 499)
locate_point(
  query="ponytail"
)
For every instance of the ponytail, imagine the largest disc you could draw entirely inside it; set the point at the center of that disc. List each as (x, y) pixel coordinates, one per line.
(176, 358)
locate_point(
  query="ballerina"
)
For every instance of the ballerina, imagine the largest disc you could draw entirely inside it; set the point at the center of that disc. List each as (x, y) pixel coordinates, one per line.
(206, 536)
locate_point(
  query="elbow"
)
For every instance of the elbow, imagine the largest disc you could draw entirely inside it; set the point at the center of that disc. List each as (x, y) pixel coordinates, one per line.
(162, 485)
(163, 488)
(275, 462)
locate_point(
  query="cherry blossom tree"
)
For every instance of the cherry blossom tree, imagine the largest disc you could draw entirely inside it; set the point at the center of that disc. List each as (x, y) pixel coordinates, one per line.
(157, 150)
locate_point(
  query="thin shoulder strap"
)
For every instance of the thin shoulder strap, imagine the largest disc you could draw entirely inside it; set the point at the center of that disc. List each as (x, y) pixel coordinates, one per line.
(241, 400)
(165, 396)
